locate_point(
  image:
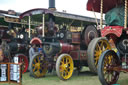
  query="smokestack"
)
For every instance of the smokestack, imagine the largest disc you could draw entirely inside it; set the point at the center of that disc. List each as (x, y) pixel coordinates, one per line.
(52, 5)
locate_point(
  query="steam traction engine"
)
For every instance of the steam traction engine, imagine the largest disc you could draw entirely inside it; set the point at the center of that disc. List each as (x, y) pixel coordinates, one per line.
(65, 38)
(110, 63)
(11, 41)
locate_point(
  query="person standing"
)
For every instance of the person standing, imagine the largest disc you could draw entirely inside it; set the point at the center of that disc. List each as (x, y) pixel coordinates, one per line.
(31, 53)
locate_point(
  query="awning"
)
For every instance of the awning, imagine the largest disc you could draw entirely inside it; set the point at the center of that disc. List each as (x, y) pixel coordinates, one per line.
(94, 5)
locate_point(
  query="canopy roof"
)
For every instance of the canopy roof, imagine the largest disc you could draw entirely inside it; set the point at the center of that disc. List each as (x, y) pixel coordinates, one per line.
(58, 15)
(94, 5)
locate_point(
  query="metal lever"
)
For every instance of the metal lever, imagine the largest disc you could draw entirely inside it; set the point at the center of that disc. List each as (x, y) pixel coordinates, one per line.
(125, 44)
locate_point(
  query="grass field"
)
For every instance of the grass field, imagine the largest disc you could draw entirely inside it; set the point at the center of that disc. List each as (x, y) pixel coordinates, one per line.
(84, 78)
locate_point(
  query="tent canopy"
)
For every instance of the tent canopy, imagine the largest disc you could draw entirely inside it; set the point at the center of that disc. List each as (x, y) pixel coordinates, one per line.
(94, 5)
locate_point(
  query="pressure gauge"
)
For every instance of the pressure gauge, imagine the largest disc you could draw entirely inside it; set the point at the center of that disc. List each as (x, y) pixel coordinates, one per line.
(21, 36)
(61, 35)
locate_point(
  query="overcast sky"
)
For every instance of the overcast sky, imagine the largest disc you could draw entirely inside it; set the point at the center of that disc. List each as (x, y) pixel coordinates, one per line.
(71, 6)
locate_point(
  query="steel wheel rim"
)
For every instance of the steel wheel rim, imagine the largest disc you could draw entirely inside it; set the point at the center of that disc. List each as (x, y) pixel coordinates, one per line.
(24, 61)
(39, 66)
(101, 46)
(110, 76)
(66, 67)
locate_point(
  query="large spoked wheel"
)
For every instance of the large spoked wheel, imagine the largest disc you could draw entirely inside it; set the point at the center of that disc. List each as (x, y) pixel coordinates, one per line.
(94, 51)
(107, 62)
(38, 66)
(89, 33)
(24, 60)
(64, 66)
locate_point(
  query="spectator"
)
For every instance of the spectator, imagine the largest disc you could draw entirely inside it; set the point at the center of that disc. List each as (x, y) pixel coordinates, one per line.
(40, 50)
(31, 53)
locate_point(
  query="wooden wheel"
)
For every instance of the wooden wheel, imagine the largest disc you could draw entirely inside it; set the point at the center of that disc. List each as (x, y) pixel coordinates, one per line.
(38, 66)
(94, 51)
(64, 66)
(107, 61)
(24, 60)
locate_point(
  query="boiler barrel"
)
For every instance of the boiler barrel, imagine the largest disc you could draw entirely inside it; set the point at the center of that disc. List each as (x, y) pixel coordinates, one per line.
(65, 48)
(57, 47)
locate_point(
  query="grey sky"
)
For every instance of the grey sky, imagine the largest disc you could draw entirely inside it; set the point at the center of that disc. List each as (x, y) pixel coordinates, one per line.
(71, 6)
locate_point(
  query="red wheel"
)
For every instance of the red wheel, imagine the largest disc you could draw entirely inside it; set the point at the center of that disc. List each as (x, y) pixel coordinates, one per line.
(24, 60)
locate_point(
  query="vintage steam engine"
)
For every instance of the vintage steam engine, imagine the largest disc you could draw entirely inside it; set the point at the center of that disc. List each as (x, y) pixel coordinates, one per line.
(64, 38)
(13, 42)
(110, 63)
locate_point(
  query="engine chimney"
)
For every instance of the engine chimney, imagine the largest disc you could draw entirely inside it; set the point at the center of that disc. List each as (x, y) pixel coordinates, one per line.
(52, 5)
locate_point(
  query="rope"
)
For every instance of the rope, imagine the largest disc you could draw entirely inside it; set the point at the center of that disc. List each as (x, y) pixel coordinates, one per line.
(95, 17)
(101, 11)
(125, 17)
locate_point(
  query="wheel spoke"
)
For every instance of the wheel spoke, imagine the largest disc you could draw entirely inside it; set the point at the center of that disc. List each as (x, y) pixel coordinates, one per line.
(101, 44)
(98, 47)
(34, 69)
(35, 61)
(61, 68)
(66, 60)
(97, 53)
(96, 62)
(66, 72)
(38, 60)
(62, 73)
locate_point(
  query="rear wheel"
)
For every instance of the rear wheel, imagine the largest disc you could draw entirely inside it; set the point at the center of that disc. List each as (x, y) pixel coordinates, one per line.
(24, 60)
(94, 51)
(89, 33)
(38, 66)
(64, 66)
(107, 62)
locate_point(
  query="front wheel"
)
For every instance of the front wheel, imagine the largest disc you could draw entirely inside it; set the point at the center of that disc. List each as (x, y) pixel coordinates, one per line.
(38, 66)
(94, 51)
(107, 62)
(64, 66)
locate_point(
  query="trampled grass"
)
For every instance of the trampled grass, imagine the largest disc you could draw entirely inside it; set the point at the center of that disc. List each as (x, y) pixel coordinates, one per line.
(84, 78)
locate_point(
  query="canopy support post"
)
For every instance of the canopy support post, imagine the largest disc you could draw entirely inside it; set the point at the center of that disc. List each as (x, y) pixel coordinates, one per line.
(101, 11)
(29, 26)
(125, 16)
(43, 24)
